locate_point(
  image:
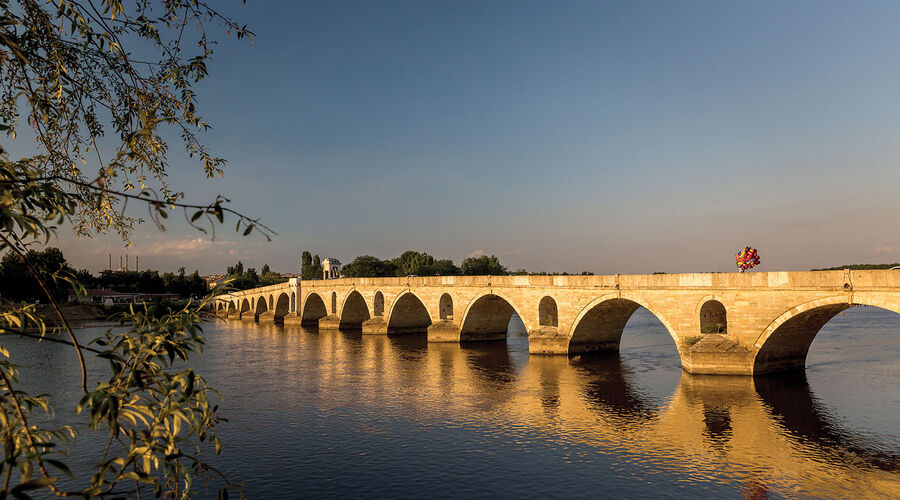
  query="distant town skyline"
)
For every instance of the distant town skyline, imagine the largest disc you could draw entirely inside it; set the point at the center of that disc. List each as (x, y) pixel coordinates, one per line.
(566, 136)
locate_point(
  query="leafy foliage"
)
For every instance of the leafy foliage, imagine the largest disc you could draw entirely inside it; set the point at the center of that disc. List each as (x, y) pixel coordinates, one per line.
(96, 117)
(482, 266)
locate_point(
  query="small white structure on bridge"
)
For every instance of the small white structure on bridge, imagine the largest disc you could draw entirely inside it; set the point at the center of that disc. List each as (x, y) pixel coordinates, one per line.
(331, 268)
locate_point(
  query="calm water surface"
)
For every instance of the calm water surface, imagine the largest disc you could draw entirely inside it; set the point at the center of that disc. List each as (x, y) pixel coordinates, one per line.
(314, 414)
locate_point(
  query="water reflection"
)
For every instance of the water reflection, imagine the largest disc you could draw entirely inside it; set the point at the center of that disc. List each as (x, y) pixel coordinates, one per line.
(764, 436)
(344, 414)
(793, 405)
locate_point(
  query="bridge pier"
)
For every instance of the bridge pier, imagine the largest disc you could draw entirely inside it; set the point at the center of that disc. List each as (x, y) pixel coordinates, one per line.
(715, 354)
(375, 326)
(443, 331)
(547, 340)
(293, 319)
(330, 322)
(266, 317)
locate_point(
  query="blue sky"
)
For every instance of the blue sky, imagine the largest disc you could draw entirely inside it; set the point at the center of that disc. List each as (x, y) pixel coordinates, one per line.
(615, 137)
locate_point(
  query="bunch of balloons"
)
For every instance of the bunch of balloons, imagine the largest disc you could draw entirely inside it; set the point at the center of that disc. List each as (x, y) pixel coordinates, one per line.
(747, 258)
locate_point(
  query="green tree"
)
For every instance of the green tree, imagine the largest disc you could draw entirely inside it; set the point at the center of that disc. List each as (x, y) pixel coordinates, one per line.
(69, 80)
(413, 263)
(442, 267)
(305, 263)
(482, 266)
(50, 264)
(366, 266)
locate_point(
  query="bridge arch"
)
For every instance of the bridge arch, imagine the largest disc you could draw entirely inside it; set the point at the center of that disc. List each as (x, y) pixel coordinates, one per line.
(245, 306)
(445, 307)
(487, 318)
(378, 304)
(261, 306)
(599, 324)
(271, 301)
(282, 306)
(548, 314)
(785, 342)
(313, 308)
(408, 314)
(354, 310)
(293, 301)
(333, 302)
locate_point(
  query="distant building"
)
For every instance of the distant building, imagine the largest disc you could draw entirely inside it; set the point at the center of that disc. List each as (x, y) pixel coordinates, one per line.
(213, 280)
(331, 268)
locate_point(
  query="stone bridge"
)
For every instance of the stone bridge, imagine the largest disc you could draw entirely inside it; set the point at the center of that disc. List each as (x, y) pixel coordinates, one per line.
(722, 323)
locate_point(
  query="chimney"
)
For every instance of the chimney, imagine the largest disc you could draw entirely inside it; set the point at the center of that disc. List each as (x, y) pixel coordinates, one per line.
(126, 261)
(109, 266)
(120, 263)
(136, 267)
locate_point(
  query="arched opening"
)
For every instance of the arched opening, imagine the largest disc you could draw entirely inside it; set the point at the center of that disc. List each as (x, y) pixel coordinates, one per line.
(333, 302)
(786, 346)
(408, 315)
(261, 306)
(488, 318)
(293, 301)
(245, 306)
(354, 312)
(600, 327)
(547, 312)
(313, 309)
(446, 306)
(713, 317)
(271, 302)
(379, 304)
(231, 308)
(252, 302)
(282, 307)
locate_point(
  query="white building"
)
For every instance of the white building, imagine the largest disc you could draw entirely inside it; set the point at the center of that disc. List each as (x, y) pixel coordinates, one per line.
(331, 268)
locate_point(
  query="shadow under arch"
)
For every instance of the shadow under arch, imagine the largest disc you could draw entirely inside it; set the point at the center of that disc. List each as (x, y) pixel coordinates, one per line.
(313, 309)
(493, 369)
(282, 306)
(354, 311)
(408, 315)
(793, 404)
(487, 318)
(599, 325)
(261, 306)
(608, 388)
(245, 306)
(785, 343)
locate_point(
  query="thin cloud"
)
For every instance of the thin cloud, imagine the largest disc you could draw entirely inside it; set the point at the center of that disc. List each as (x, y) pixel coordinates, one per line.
(887, 249)
(477, 253)
(198, 247)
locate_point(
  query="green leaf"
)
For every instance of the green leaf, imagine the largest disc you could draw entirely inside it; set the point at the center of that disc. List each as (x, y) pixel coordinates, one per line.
(61, 466)
(34, 484)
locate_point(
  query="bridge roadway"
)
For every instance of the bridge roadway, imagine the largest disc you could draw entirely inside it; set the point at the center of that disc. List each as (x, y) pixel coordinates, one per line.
(722, 323)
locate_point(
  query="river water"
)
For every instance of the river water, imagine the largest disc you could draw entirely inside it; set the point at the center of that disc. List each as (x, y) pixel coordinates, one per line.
(339, 414)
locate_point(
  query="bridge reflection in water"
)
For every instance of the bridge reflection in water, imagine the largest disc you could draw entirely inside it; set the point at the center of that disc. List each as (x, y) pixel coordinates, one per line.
(760, 434)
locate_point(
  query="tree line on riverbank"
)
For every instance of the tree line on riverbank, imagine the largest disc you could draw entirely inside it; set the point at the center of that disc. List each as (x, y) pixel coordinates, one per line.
(243, 279)
(57, 273)
(413, 263)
